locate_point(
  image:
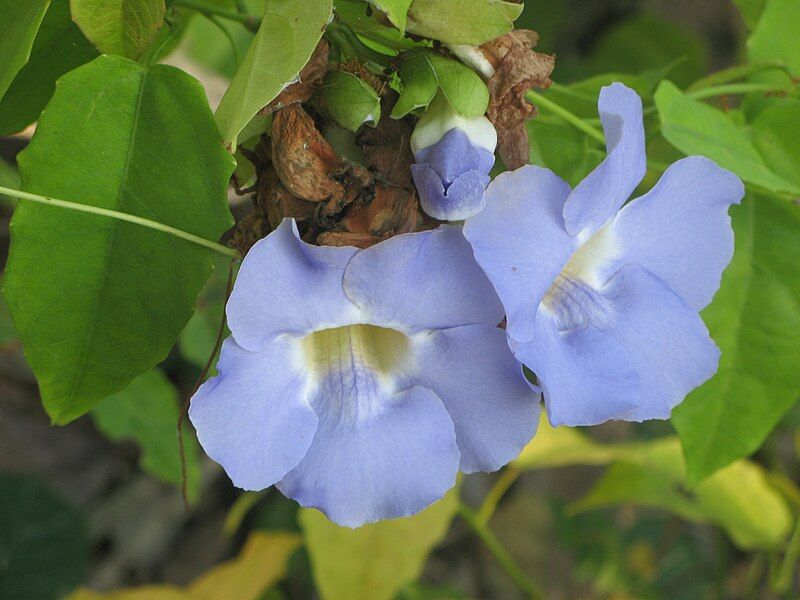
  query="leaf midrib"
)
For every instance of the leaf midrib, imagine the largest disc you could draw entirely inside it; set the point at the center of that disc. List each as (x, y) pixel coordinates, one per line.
(114, 225)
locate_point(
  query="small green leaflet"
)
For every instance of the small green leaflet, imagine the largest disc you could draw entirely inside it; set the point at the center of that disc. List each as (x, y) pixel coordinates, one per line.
(697, 128)
(288, 35)
(59, 48)
(123, 27)
(97, 301)
(423, 72)
(377, 560)
(21, 20)
(470, 22)
(755, 320)
(147, 412)
(396, 11)
(348, 100)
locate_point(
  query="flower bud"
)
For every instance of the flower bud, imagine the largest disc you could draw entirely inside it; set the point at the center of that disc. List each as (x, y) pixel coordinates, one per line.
(453, 157)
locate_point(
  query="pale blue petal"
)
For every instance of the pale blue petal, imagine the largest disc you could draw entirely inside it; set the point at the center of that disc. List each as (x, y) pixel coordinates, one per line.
(680, 231)
(520, 241)
(285, 285)
(494, 410)
(599, 196)
(462, 199)
(453, 155)
(381, 458)
(253, 418)
(664, 336)
(587, 377)
(426, 280)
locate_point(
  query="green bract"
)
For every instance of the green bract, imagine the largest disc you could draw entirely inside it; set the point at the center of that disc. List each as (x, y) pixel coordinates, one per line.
(348, 100)
(423, 72)
(97, 301)
(288, 34)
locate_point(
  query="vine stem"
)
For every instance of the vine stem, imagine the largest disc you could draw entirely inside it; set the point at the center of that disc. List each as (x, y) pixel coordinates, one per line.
(120, 216)
(249, 21)
(564, 114)
(499, 489)
(200, 379)
(501, 555)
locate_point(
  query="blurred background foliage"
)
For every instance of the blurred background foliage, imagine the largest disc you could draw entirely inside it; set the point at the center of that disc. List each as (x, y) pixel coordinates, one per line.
(608, 512)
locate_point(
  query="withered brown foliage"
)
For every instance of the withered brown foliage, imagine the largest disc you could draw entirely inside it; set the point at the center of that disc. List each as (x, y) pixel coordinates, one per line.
(309, 79)
(518, 68)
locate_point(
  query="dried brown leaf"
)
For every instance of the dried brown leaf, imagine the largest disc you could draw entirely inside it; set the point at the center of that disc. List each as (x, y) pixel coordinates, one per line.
(517, 68)
(308, 80)
(387, 146)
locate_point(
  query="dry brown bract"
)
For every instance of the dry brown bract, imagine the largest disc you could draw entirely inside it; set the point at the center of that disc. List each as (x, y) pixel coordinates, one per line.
(518, 68)
(306, 163)
(387, 147)
(307, 83)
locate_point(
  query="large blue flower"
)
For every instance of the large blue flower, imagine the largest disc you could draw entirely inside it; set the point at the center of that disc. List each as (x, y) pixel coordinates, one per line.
(361, 381)
(453, 158)
(602, 303)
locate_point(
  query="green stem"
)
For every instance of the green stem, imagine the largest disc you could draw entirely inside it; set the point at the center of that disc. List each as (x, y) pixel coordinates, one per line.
(500, 554)
(120, 216)
(499, 489)
(249, 21)
(574, 120)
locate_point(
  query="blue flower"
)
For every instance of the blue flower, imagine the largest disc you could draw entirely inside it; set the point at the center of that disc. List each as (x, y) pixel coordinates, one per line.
(602, 303)
(361, 381)
(453, 158)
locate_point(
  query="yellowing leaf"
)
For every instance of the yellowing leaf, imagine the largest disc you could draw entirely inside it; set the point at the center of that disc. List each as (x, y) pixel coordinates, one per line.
(260, 565)
(374, 561)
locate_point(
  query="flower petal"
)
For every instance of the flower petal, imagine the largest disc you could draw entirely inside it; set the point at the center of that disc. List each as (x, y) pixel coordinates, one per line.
(665, 338)
(453, 155)
(426, 280)
(680, 231)
(596, 199)
(462, 199)
(494, 410)
(587, 377)
(391, 457)
(286, 285)
(520, 242)
(253, 418)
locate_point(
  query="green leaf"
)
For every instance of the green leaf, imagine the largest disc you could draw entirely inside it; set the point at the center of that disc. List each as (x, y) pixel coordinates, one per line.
(59, 48)
(751, 10)
(563, 149)
(697, 128)
(463, 87)
(377, 560)
(44, 550)
(561, 447)
(774, 132)
(755, 320)
(470, 22)
(288, 35)
(396, 11)
(419, 85)
(99, 301)
(123, 27)
(645, 43)
(21, 21)
(147, 412)
(775, 36)
(348, 100)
